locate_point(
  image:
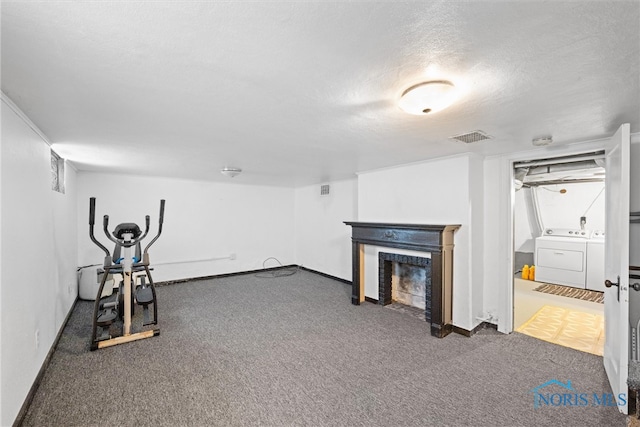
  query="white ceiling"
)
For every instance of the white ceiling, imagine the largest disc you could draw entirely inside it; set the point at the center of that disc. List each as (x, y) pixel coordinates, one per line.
(299, 93)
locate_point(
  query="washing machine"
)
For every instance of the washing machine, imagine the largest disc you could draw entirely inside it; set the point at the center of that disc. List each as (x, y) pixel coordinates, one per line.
(595, 262)
(561, 257)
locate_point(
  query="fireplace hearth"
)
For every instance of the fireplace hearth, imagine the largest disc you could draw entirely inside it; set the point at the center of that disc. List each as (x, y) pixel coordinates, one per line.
(436, 240)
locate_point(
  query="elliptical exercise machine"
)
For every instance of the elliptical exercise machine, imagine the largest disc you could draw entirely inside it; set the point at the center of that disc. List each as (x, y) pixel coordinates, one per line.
(120, 306)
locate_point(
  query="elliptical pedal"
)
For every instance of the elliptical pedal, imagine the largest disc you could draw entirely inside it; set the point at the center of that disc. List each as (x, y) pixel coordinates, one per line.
(108, 307)
(144, 297)
(106, 316)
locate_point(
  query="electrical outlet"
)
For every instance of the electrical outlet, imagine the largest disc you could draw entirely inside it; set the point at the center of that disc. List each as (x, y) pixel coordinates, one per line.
(232, 256)
(37, 338)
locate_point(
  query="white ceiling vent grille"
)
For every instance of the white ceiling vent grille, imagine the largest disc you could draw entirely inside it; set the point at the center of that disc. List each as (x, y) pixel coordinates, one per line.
(475, 136)
(324, 190)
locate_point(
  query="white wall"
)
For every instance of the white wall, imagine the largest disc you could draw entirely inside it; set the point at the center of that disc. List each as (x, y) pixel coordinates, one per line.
(204, 223)
(322, 240)
(38, 277)
(444, 191)
(522, 234)
(476, 241)
(496, 229)
(559, 210)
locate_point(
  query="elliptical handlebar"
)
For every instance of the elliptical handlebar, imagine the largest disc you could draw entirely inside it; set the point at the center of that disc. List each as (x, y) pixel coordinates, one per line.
(92, 220)
(147, 220)
(129, 243)
(160, 221)
(92, 210)
(105, 228)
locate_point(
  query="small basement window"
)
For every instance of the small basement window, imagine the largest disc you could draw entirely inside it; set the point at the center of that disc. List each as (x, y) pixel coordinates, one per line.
(57, 173)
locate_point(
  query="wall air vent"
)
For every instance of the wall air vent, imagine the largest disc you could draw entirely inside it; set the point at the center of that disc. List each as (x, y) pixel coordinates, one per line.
(324, 190)
(475, 136)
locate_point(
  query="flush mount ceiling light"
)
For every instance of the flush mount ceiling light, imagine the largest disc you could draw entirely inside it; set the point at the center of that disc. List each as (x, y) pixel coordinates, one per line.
(428, 97)
(542, 142)
(230, 172)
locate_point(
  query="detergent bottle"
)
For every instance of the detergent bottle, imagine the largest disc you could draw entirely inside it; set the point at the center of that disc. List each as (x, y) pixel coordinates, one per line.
(532, 272)
(525, 272)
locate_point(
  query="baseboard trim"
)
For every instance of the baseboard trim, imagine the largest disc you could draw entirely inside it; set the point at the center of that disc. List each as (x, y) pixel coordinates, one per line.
(218, 276)
(45, 364)
(481, 326)
(329, 276)
(373, 300)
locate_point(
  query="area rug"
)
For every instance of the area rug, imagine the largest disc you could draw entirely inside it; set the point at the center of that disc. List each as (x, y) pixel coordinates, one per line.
(567, 291)
(569, 328)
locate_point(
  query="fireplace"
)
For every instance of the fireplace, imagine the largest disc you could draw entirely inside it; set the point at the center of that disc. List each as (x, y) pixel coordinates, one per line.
(406, 280)
(436, 240)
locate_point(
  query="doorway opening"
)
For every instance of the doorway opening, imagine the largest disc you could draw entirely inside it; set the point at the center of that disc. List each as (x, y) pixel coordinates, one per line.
(558, 242)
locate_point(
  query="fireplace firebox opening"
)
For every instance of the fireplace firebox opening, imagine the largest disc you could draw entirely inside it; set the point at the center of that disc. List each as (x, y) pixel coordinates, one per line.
(408, 285)
(419, 268)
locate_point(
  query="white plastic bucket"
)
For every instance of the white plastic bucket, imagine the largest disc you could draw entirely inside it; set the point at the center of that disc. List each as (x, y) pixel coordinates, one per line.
(89, 283)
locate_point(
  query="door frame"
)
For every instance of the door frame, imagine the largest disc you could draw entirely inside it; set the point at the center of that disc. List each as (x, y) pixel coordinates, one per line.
(507, 213)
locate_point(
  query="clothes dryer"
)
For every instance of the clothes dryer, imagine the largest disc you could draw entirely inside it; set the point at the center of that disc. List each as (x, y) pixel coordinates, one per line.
(561, 257)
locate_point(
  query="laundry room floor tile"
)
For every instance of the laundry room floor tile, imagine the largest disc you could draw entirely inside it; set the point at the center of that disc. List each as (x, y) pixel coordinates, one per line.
(569, 328)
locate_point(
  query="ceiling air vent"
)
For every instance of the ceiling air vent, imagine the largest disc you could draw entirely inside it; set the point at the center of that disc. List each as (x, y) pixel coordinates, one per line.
(324, 190)
(475, 136)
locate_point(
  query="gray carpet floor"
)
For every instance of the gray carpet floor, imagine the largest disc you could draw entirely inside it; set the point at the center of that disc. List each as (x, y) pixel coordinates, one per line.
(248, 351)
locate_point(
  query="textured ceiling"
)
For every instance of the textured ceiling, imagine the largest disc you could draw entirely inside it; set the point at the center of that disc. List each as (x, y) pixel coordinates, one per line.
(299, 93)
